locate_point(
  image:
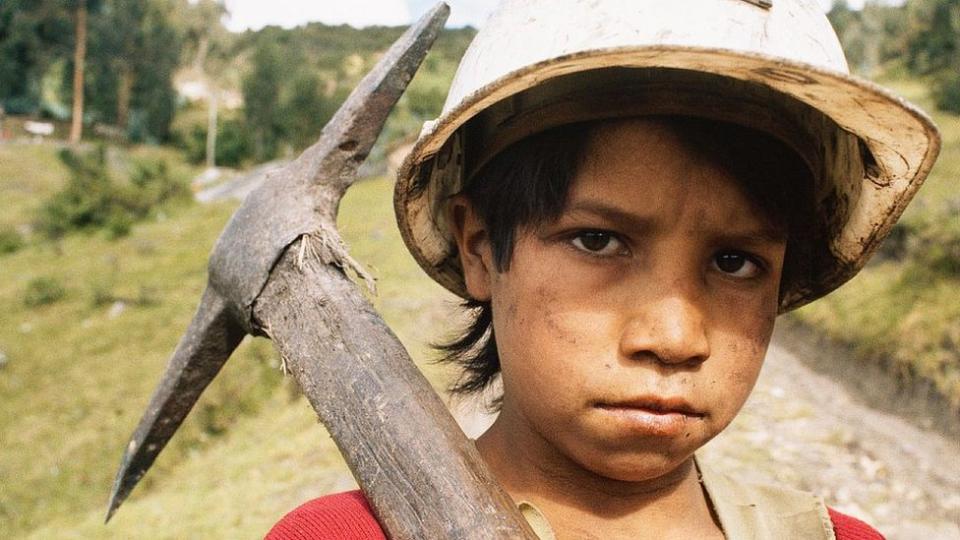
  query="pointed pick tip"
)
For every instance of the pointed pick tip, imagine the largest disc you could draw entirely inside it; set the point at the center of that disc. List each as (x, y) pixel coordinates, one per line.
(441, 7)
(437, 14)
(112, 507)
(124, 482)
(118, 494)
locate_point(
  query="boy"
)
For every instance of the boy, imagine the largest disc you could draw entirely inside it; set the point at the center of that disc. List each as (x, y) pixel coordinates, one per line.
(627, 194)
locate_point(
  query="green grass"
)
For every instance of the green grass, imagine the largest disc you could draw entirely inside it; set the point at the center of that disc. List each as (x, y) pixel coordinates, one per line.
(30, 173)
(900, 313)
(78, 378)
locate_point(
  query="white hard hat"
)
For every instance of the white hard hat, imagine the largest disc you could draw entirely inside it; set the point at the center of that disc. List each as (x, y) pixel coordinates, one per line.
(773, 65)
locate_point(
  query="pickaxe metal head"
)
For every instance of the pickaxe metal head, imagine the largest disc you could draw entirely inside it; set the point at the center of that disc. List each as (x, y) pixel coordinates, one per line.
(299, 200)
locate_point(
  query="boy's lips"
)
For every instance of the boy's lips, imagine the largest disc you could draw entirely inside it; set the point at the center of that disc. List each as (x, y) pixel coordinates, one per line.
(651, 415)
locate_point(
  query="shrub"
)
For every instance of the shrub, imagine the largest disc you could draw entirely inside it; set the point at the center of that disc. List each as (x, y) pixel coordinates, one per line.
(153, 185)
(233, 147)
(10, 240)
(935, 245)
(946, 92)
(42, 291)
(86, 199)
(93, 200)
(119, 225)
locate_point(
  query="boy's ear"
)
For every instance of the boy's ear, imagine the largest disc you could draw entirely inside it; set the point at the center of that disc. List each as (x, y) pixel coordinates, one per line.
(473, 245)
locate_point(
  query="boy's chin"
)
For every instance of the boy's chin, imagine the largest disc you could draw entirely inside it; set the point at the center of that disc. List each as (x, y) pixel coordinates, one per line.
(637, 465)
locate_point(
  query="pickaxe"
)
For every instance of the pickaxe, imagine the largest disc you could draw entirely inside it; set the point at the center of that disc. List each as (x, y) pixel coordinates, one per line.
(279, 270)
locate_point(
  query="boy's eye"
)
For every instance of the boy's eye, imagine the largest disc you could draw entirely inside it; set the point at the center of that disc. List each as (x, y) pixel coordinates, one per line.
(736, 264)
(598, 243)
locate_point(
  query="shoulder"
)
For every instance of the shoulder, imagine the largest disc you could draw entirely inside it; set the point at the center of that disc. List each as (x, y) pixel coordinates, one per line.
(343, 516)
(851, 528)
(745, 508)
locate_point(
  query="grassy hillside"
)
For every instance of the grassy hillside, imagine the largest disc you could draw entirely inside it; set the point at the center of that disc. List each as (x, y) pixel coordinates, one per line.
(903, 310)
(79, 373)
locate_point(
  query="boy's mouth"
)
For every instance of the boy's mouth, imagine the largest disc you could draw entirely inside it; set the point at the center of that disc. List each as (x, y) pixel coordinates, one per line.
(653, 404)
(651, 415)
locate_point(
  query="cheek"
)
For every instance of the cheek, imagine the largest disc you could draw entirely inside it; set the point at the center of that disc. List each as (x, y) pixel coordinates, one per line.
(738, 354)
(530, 327)
(548, 337)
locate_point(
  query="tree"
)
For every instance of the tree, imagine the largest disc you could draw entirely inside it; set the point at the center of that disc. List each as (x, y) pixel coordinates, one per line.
(305, 110)
(205, 34)
(133, 53)
(261, 97)
(33, 36)
(79, 59)
(933, 48)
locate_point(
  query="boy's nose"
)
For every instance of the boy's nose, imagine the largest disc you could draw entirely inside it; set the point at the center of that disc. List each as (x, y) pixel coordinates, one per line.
(670, 329)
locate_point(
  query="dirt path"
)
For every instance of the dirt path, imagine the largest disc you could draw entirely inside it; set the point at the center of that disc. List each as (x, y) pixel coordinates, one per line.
(803, 429)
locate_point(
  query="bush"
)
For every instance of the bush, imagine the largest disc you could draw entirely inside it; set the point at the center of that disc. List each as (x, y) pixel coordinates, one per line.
(42, 291)
(119, 225)
(10, 240)
(92, 200)
(935, 245)
(153, 185)
(233, 145)
(85, 201)
(946, 92)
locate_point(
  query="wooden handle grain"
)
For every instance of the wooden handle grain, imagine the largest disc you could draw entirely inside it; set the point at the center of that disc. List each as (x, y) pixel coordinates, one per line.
(422, 476)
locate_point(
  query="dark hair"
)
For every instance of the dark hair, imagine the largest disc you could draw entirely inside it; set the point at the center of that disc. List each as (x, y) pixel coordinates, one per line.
(528, 183)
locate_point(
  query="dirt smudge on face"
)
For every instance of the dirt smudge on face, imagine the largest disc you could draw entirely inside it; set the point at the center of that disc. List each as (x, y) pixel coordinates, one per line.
(547, 301)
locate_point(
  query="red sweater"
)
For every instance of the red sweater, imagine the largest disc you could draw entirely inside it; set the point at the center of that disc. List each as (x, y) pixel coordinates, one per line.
(347, 516)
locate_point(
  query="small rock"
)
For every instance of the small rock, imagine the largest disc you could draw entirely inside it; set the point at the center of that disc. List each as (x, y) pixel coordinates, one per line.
(3, 360)
(870, 467)
(116, 309)
(26, 328)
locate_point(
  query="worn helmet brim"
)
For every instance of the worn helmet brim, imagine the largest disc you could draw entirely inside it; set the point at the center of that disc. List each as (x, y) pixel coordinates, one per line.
(876, 149)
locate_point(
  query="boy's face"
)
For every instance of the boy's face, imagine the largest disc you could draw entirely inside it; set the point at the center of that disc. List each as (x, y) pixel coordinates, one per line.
(632, 329)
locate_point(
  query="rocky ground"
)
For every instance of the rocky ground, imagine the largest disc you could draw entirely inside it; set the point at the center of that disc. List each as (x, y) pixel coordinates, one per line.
(804, 429)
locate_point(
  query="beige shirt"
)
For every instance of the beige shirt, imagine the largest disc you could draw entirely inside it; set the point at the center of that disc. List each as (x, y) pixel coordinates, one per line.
(746, 511)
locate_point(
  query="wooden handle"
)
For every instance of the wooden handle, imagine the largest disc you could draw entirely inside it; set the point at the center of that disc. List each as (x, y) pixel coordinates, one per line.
(422, 476)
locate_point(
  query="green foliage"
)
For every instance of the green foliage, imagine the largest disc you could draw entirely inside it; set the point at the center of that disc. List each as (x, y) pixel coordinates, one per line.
(87, 199)
(91, 199)
(298, 78)
(233, 138)
(933, 35)
(922, 36)
(233, 143)
(32, 36)
(133, 53)
(42, 291)
(305, 109)
(10, 240)
(935, 244)
(261, 96)
(932, 42)
(946, 91)
(871, 37)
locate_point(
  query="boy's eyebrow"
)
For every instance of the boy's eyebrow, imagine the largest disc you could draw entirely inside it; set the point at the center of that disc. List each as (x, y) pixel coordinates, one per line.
(633, 222)
(612, 213)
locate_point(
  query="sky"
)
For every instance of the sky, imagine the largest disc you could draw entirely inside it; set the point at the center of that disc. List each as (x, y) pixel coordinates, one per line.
(255, 14)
